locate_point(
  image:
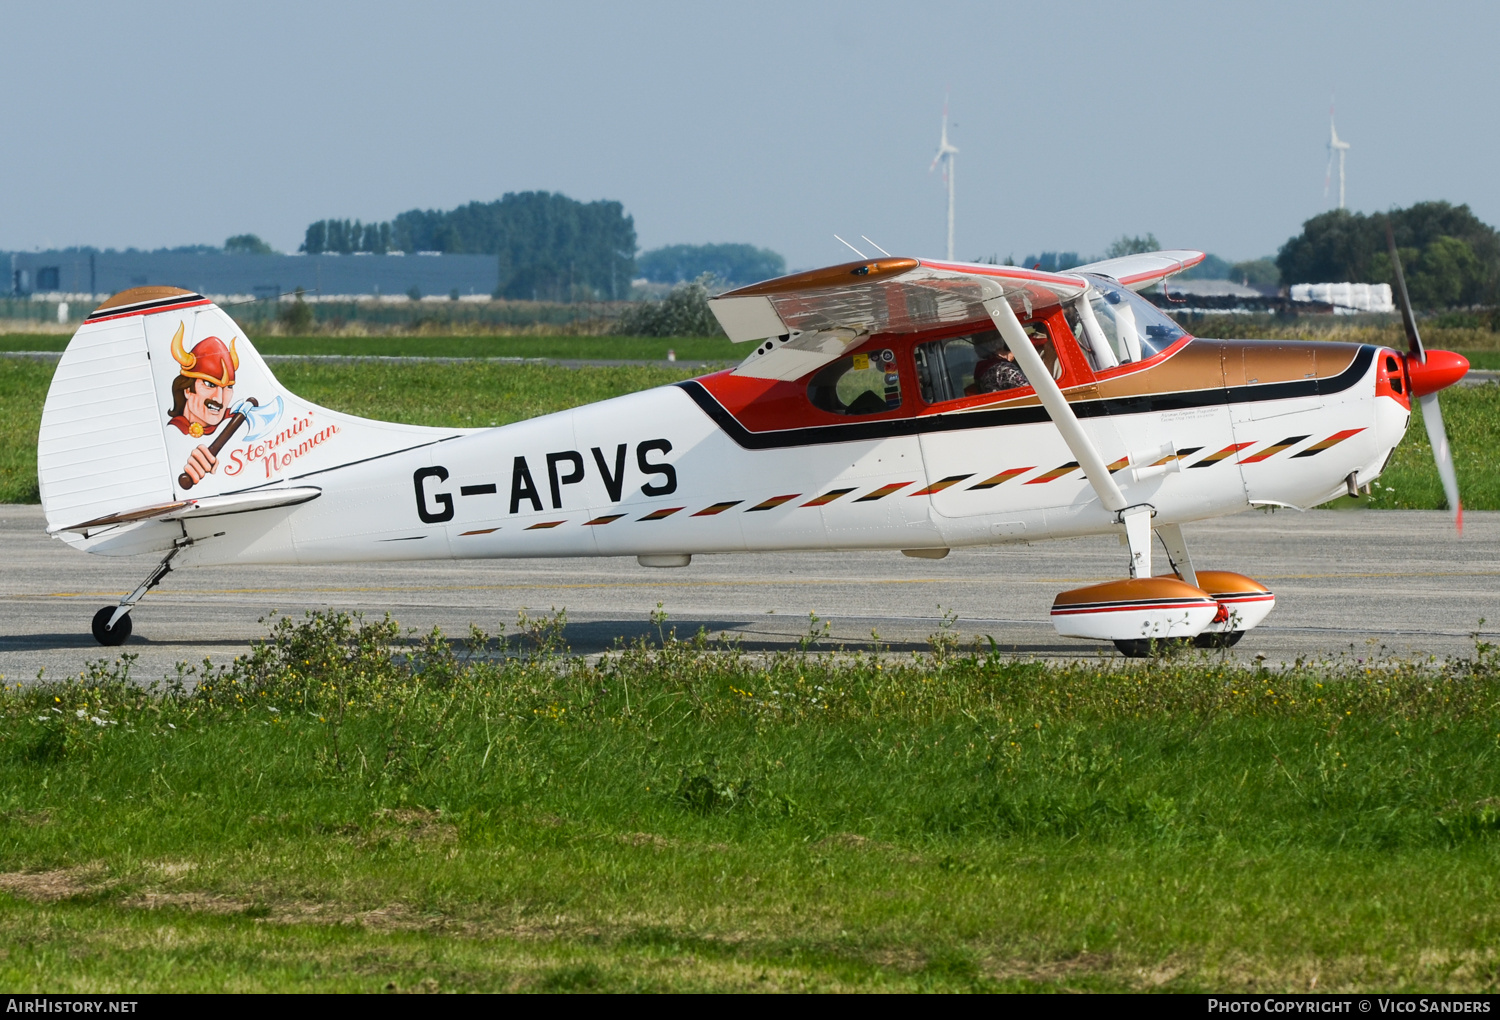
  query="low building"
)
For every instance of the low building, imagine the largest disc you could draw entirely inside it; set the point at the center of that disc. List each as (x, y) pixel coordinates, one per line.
(82, 274)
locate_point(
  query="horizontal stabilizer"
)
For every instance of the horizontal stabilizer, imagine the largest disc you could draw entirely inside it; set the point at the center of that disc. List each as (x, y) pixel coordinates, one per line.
(206, 506)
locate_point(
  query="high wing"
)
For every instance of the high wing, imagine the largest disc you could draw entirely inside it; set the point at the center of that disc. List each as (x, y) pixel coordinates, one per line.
(809, 319)
(1144, 269)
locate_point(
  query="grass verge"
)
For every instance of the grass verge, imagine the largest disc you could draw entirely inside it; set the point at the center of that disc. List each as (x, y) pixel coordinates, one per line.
(611, 348)
(345, 809)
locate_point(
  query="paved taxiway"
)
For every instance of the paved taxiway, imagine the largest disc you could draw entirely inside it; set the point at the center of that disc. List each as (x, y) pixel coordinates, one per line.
(1345, 580)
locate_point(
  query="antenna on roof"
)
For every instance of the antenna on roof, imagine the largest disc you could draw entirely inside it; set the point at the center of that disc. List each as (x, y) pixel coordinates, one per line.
(877, 247)
(851, 247)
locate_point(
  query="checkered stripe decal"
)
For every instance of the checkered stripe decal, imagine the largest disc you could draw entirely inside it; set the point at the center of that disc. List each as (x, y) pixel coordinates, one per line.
(950, 481)
(1333, 440)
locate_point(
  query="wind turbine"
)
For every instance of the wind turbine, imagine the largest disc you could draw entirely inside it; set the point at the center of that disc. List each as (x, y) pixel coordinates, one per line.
(945, 155)
(1335, 146)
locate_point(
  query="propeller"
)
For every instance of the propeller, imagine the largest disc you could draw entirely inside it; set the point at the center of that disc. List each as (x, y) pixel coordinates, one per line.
(1428, 374)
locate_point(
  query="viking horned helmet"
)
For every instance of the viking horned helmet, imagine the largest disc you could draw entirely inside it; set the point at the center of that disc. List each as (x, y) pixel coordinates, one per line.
(209, 359)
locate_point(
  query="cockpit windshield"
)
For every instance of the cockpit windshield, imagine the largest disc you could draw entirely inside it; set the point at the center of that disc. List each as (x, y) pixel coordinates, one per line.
(1133, 327)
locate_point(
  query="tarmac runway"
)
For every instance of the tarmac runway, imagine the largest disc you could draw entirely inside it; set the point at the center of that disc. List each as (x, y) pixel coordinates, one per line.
(1348, 582)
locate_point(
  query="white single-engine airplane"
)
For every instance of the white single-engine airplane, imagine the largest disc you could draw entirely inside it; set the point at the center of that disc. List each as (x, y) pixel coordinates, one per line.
(890, 403)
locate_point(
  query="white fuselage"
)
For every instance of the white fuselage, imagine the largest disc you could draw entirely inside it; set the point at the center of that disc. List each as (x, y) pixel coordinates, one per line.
(651, 474)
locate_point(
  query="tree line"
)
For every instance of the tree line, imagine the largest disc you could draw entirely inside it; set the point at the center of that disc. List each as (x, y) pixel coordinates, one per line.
(548, 247)
(1451, 258)
(728, 263)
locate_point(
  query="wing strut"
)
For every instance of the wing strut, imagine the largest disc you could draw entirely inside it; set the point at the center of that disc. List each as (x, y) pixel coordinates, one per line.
(1056, 404)
(1137, 518)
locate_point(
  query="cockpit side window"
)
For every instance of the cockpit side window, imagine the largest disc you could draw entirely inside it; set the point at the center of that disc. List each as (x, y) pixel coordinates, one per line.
(968, 366)
(866, 383)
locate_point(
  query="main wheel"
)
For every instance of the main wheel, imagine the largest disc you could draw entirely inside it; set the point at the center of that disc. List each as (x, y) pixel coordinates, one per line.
(1143, 648)
(107, 635)
(1219, 639)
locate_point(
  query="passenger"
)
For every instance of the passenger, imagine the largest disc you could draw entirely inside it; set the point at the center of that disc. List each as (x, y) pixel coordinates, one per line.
(996, 369)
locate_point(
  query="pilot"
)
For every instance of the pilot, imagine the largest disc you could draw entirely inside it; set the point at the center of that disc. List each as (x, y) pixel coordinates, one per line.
(996, 368)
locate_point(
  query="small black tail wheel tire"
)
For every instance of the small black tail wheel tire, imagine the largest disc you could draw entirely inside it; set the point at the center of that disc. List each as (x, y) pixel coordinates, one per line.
(107, 635)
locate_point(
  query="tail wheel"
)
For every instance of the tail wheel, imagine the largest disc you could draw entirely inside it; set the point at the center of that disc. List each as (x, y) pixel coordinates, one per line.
(107, 635)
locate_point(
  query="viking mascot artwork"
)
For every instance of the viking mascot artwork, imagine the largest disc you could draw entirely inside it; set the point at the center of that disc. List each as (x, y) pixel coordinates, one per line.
(201, 401)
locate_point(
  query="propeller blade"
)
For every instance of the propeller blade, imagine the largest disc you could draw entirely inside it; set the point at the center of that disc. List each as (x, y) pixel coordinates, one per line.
(1432, 417)
(1432, 414)
(1413, 338)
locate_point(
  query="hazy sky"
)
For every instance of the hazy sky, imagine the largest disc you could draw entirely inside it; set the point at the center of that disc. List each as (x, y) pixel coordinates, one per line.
(777, 124)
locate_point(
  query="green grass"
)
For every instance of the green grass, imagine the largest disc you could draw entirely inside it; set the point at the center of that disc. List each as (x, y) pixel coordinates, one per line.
(34, 341)
(633, 348)
(561, 347)
(470, 394)
(342, 812)
(23, 388)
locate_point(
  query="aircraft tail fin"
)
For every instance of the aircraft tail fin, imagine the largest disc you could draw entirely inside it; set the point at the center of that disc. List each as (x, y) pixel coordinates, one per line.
(160, 397)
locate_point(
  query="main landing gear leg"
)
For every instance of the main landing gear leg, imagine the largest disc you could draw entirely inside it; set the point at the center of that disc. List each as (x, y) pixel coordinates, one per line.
(1177, 552)
(1137, 521)
(1182, 564)
(112, 623)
